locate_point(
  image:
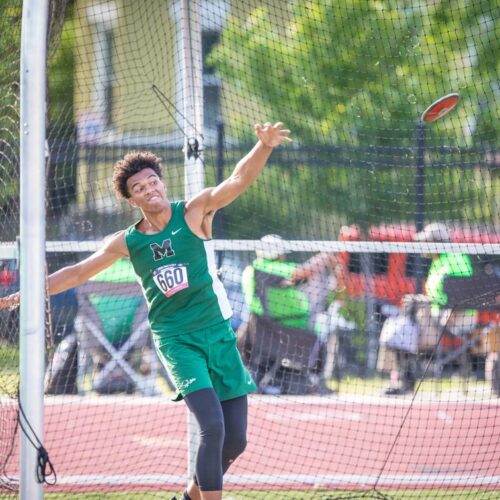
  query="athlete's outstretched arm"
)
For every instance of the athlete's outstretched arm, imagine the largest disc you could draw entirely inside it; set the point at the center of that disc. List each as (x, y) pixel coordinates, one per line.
(71, 276)
(245, 172)
(316, 264)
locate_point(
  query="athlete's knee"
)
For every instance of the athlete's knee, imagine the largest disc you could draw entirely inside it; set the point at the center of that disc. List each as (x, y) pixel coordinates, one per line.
(235, 446)
(240, 444)
(213, 430)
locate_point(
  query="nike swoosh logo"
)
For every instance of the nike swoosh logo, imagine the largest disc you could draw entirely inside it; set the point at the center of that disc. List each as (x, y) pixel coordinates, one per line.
(176, 231)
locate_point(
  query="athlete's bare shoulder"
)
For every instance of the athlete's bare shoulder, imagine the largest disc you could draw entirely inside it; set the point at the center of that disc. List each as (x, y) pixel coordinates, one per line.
(196, 216)
(115, 243)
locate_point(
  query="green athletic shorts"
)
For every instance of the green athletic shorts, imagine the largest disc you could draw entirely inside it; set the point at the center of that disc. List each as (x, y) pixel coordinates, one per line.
(203, 359)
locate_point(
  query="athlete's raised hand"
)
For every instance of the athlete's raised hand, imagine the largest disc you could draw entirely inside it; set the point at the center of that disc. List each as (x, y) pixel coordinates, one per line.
(272, 135)
(10, 301)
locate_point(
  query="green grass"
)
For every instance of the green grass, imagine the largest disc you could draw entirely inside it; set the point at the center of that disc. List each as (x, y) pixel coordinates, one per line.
(375, 386)
(9, 369)
(289, 495)
(9, 380)
(379, 494)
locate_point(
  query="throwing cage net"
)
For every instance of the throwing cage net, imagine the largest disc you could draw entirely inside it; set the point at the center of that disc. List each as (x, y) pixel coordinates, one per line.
(362, 266)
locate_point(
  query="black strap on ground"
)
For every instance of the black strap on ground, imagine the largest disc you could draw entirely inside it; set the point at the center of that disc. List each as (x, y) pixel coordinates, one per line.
(44, 468)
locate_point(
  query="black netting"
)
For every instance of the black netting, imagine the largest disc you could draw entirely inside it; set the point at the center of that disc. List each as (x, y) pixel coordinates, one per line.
(377, 360)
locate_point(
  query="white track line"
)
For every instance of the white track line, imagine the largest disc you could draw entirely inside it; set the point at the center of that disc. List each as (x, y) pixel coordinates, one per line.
(290, 480)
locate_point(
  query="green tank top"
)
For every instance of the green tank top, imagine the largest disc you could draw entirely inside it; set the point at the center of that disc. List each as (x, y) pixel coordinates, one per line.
(178, 275)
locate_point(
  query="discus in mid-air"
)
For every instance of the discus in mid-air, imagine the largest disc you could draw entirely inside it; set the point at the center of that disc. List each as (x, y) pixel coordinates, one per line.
(440, 107)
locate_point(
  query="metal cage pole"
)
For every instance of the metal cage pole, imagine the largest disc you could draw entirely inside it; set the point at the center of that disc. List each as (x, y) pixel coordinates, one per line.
(192, 78)
(420, 199)
(194, 176)
(32, 240)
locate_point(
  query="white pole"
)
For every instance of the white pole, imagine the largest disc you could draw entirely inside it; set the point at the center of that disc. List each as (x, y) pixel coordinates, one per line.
(192, 81)
(192, 87)
(32, 239)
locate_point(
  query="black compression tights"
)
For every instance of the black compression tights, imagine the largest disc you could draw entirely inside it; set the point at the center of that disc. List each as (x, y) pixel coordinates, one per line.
(223, 429)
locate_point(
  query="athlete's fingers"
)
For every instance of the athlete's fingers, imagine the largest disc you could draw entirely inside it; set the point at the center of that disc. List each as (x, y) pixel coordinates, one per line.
(10, 302)
(268, 129)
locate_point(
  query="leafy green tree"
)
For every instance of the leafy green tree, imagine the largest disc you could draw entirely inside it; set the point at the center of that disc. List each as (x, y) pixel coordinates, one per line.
(10, 43)
(361, 72)
(61, 70)
(358, 74)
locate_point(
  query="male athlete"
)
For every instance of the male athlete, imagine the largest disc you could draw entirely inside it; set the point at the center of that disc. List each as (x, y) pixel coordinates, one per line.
(172, 254)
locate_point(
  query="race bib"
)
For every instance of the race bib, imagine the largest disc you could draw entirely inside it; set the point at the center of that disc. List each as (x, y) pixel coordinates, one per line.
(171, 279)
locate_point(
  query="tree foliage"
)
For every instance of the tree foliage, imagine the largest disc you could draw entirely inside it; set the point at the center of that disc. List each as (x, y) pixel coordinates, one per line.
(10, 43)
(61, 69)
(356, 75)
(361, 72)
(60, 100)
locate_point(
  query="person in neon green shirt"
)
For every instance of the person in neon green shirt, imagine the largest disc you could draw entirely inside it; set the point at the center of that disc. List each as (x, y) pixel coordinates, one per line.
(447, 264)
(291, 295)
(290, 305)
(456, 322)
(443, 265)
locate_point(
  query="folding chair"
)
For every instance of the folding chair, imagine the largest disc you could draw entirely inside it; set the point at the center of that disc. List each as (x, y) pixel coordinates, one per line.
(479, 292)
(61, 373)
(114, 338)
(269, 346)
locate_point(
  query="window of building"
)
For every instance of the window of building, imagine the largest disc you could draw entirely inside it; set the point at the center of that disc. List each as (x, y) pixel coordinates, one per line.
(107, 80)
(415, 261)
(211, 84)
(379, 263)
(102, 18)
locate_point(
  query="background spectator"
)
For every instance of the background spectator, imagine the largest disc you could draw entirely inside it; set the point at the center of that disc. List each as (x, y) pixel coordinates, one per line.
(403, 362)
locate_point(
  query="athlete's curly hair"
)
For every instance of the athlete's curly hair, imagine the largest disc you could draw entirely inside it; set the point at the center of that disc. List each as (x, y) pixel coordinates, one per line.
(131, 164)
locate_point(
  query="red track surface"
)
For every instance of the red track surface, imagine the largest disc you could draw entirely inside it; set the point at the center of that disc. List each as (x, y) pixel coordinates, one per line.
(291, 443)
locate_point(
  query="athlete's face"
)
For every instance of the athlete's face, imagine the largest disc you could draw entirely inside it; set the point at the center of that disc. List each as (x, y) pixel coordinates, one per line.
(147, 191)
